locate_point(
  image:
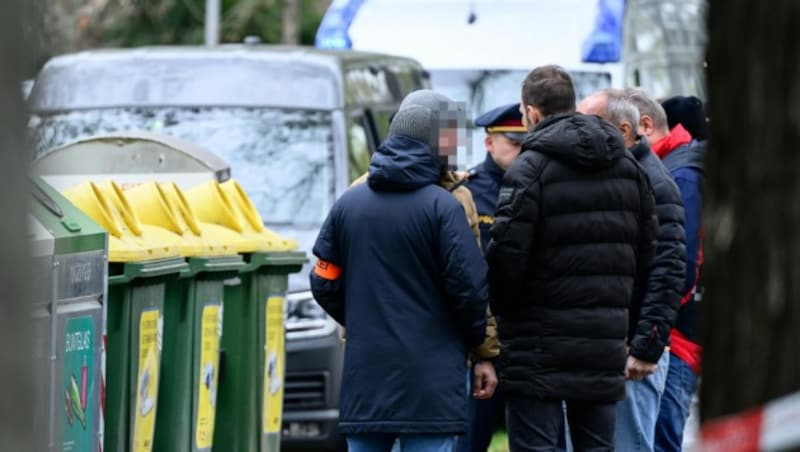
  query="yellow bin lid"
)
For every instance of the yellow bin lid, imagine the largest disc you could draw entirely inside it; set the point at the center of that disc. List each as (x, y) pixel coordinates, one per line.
(220, 219)
(230, 241)
(159, 205)
(125, 242)
(154, 235)
(251, 220)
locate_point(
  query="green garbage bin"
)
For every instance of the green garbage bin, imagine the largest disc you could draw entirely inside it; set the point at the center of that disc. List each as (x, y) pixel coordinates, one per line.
(193, 314)
(140, 265)
(69, 252)
(250, 400)
(193, 319)
(251, 391)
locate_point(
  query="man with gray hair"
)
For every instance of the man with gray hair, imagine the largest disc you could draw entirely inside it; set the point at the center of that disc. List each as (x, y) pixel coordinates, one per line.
(653, 309)
(683, 157)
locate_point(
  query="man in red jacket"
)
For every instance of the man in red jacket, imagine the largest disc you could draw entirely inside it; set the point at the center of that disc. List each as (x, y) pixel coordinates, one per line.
(683, 157)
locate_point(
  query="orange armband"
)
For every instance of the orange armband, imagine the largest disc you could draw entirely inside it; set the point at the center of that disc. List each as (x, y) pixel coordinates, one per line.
(327, 270)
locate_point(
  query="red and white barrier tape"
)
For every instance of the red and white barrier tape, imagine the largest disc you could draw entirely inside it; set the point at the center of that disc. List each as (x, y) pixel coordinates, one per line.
(775, 426)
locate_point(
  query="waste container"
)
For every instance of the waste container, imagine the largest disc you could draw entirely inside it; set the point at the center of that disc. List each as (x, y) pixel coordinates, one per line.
(69, 262)
(193, 316)
(250, 400)
(140, 265)
(42, 245)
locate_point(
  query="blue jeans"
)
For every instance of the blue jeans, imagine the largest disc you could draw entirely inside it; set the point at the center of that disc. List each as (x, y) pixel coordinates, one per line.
(637, 414)
(675, 405)
(408, 443)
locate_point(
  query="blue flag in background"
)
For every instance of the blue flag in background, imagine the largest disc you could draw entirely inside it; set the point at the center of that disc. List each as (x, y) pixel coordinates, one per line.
(604, 44)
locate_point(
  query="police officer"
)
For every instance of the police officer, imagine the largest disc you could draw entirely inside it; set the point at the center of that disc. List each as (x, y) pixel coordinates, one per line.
(504, 135)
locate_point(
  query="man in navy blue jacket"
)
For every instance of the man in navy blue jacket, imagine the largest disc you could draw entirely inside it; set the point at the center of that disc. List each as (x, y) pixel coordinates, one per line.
(399, 267)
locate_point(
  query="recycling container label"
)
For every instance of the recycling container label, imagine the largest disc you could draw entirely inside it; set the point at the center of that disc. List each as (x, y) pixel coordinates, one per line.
(211, 331)
(147, 380)
(78, 384)
(274, 365)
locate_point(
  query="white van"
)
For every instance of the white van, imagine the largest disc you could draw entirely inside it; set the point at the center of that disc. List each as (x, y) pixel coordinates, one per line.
(479, 51)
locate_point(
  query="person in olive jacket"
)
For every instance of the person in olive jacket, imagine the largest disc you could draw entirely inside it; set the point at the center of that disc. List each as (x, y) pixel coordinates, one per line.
(574, 234)
(399, 267)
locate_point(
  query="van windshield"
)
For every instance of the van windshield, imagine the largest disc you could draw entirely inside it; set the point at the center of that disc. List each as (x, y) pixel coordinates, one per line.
(483, 90)
(282, 158)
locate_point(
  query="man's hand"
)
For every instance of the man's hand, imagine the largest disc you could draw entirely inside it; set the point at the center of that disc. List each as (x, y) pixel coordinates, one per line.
(636, 369)
(484, 380)
(463, 174)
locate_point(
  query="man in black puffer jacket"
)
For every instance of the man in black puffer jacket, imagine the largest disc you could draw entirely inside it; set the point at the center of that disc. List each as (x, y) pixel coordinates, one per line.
(400, 268)
(653, 312)
(574, 233)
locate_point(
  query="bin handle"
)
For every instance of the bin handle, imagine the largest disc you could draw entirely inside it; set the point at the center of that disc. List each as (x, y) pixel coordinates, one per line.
(287, 259)
(168, 267)
(150, 270)
(118, 279)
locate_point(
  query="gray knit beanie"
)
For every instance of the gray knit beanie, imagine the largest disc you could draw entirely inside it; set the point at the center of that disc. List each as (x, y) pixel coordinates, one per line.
(419, 116)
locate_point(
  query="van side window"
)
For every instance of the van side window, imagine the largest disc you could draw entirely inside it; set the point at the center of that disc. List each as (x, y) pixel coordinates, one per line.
(358, 148)
(382, 119)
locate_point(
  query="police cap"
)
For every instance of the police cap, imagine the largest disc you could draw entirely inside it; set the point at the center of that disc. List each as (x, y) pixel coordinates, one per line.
(505, 119)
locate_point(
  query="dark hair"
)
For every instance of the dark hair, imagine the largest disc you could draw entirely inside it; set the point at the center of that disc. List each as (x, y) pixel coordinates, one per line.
(549, 89)
(688, 111)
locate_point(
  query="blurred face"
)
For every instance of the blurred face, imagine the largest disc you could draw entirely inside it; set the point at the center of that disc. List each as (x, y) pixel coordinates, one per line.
(448, 138)
(503, 149)
(448, 146)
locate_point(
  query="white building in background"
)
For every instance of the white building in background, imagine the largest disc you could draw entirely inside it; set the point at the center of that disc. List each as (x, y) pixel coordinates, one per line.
(479, 51)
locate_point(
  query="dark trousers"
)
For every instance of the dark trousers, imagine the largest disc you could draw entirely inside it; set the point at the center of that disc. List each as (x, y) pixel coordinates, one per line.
(534, 425)
(483, 416)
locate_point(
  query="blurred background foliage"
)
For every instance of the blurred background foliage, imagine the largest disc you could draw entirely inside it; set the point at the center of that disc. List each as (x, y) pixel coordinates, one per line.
(70, 25)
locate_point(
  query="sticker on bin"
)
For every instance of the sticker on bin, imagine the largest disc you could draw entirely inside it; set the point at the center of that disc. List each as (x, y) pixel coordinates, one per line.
(274, 365)
(147, 381)
(78, 384)
(209, 375)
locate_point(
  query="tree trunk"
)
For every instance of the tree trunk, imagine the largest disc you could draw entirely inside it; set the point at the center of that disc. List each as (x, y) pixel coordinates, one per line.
(751, 313)
(16, 414)
(291, 22)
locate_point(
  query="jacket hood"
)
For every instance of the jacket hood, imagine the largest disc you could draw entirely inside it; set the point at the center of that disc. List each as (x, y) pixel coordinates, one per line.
(580, 140)
(403, 164)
